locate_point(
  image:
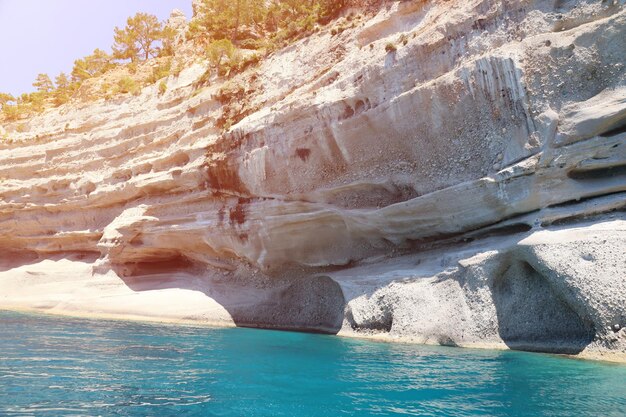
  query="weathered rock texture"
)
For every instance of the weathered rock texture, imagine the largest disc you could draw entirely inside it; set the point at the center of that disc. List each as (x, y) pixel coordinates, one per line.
(466, 189)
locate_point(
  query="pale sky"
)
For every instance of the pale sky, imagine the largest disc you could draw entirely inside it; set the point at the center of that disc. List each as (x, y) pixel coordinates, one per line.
(48, 35)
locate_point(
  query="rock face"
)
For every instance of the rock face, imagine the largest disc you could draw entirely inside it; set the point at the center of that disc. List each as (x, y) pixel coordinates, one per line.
(177, 25)
(466, 186)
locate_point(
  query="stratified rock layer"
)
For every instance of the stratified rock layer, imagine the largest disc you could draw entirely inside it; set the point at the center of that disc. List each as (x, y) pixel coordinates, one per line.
(467, 188)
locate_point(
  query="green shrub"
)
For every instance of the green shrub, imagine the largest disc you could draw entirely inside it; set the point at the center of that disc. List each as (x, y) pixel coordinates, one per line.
(250, 44)
(128, 85)
(132, 67)
(11, 112)
(228, 124)
(197, 92)
(231, 66)
(32, 102)
(230, 92)
(218, 52)
(249, 61)
(108, 91)
(162, 87)
(160, 71)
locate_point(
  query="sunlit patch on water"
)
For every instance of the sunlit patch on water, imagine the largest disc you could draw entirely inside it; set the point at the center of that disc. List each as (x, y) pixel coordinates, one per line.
(65, 367)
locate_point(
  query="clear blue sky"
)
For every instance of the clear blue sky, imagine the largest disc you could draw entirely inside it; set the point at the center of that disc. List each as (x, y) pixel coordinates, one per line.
(48, 35)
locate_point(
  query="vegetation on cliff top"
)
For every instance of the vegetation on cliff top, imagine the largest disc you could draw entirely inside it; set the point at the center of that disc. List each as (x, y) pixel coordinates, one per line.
(144, 37)
(219, 31)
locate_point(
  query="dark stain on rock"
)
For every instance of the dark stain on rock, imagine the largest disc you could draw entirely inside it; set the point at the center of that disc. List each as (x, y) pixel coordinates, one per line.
(348, 112)
(237, 215)
(221, 214)
(303, 153)
(222, 175)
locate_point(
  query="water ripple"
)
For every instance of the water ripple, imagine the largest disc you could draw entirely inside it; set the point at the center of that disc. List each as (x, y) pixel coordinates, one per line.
(53, 367)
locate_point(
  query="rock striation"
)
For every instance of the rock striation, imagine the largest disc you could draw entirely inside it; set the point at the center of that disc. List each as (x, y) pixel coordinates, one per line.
(466, 186)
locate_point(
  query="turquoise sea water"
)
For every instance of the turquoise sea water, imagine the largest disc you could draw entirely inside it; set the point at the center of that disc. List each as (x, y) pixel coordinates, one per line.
(67, 367)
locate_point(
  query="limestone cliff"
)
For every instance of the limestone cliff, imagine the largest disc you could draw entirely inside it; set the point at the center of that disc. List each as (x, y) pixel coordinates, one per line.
(446, 172)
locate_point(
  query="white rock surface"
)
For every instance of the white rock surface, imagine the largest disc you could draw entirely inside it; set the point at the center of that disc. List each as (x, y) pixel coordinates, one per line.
(467, 189)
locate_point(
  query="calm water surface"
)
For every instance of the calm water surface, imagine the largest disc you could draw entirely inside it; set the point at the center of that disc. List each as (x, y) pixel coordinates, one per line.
(66, 367)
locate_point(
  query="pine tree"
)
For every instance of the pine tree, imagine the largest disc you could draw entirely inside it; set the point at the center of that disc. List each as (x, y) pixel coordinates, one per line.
(62, 81)
(247, 12)
(43, 83)
(286, 19)
(137, 41)
(223, 19)
(62, 94)
(92, 65)
(329, 9)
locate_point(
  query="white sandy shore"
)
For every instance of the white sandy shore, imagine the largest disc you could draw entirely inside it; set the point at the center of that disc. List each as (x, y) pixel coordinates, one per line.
(66, 287)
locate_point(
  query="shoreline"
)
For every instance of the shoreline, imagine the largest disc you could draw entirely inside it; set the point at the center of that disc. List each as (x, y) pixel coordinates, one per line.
(130, 318)
(605, 357)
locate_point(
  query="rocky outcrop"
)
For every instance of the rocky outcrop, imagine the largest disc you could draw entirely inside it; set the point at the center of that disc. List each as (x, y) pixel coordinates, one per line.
(465, 186)
(177, 26)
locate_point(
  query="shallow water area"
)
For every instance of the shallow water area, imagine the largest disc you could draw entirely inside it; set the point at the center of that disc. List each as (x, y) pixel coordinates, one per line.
(53, 366)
